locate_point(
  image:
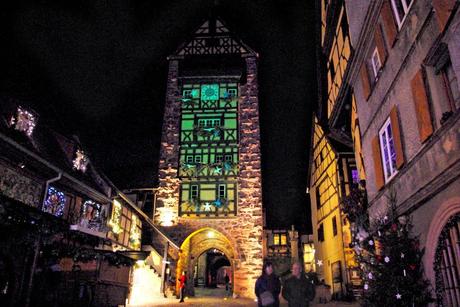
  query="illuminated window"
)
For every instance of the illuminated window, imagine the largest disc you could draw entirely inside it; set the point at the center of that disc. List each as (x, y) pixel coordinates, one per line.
(279, 239)
(81, 161)
(375, 62)
(24, 121)
(400, 10)
(388, 151)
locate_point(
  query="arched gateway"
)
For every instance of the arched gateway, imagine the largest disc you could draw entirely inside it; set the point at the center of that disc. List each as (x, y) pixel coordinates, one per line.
(209, 168)
(195, 246)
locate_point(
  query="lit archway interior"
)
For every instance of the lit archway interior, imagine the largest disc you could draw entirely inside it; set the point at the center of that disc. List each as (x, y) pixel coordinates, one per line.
(198, 243)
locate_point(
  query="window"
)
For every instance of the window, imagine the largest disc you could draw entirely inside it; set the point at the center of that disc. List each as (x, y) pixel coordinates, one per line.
(194, 191)
(450, 86)
(376, 64)
(222, 191)
(279, 239)
(321, 233)
(191, 94)
(209, 123)
(400, 9)
(388, 152)
(193, 159)
(334, 226)
(218, 158)
(228, 158)
(55, 202)
(230, 93)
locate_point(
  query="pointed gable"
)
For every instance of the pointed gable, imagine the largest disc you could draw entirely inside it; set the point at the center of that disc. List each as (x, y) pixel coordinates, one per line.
(212, 38)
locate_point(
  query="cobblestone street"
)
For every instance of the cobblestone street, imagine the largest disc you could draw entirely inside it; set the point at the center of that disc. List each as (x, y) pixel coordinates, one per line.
(216, 297)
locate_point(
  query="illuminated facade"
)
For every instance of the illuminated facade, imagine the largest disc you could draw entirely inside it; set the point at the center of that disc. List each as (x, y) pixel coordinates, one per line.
(334, 168)
(210, 193)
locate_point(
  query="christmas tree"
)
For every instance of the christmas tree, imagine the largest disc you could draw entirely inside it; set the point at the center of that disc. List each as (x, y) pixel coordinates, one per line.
(390, 257)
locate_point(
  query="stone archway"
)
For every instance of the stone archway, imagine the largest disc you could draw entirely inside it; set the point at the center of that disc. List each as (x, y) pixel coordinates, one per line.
(198, 243)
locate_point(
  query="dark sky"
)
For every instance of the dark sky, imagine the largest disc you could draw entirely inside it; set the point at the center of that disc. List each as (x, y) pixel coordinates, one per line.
(98, 69)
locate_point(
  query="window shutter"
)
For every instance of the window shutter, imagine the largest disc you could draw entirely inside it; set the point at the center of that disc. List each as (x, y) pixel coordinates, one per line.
(378, 37)
(389, 22)
(379, 179)
(422, 107)
(396, 137)
(443, 9)
(365, 81)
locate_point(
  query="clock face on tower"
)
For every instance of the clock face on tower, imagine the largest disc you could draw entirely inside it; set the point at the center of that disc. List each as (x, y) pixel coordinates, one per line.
(210, 92)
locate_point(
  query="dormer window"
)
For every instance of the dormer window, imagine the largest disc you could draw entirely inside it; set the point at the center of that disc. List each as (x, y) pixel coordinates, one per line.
(81, 161)
(24, 121)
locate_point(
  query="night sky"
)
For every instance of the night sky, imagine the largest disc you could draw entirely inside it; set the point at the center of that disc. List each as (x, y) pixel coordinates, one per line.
(98, 69)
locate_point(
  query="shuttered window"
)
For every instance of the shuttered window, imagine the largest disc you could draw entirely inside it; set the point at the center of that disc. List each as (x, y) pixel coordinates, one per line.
(422, 107)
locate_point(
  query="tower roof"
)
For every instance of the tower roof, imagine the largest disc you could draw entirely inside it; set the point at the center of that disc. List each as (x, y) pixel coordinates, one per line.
(213, 37)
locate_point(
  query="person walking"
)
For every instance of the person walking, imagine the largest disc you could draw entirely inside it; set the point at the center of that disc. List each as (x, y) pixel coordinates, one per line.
(227, 281)
(298, 290)
(268, 287)
(182, 283)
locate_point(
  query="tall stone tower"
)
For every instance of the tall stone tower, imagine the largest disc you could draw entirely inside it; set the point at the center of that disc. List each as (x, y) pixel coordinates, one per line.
(210, 185)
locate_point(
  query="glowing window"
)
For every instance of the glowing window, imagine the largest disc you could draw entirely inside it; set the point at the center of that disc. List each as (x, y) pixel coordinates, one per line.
(55, 202)
(388, 151)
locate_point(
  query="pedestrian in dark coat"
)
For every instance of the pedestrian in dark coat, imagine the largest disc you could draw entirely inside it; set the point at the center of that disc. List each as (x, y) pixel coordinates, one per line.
(298, 290)
(268, 281)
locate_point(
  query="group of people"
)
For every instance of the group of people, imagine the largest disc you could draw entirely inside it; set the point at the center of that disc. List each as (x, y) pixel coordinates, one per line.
(298, 290)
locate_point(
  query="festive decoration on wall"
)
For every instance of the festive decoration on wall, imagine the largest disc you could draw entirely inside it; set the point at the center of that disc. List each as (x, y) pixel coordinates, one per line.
(439, 254)
(115, 220)
(196, 205)
(81, 161)
(24, 121)
(134, 234)
(55, 202)
(210, 133)
(195, 169)
(92, 215)
(390, 259)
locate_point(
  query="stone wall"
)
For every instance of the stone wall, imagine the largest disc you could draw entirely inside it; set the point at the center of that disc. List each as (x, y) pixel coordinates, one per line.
(167, 205)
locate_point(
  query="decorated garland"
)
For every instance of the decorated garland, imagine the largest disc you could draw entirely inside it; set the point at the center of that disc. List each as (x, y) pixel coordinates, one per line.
(440, 287)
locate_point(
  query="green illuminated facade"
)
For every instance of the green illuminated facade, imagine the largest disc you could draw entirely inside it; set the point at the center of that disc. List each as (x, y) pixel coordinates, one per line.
(208, 149)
